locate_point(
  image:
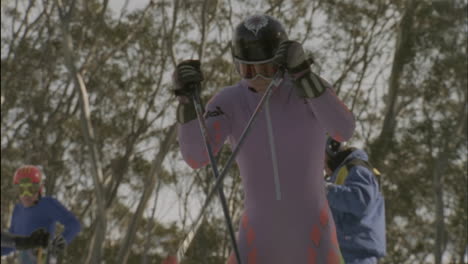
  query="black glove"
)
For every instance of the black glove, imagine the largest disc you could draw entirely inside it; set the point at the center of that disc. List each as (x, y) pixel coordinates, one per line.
(187, 78)
(291, 56)
(38, 238)
(57, 246)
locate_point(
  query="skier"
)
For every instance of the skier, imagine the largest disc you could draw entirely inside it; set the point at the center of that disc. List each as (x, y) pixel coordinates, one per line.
(356, 203)
(38, 238)
(286, 217)
(35, 211)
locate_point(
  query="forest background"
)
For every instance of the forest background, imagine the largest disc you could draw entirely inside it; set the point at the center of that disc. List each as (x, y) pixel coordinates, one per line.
(85, 93)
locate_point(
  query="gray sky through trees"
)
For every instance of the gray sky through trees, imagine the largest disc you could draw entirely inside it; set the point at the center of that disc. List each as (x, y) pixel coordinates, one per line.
(399, 64)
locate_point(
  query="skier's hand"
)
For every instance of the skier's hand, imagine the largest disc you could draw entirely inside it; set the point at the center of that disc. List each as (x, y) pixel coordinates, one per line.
(290, 55)
(328, 186)
(187, 76)
(58, 244)
(38, 238)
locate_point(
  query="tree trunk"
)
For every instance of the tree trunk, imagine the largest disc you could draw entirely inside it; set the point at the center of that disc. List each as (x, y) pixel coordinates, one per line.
(150, 226)
(95, 249)
(403, 54)
(453, 137)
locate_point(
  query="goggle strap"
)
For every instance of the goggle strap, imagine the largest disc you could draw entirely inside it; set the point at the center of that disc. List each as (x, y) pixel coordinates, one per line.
(252, 62)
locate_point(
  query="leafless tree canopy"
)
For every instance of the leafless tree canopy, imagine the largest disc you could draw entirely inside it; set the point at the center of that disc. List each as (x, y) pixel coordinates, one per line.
(85, 88)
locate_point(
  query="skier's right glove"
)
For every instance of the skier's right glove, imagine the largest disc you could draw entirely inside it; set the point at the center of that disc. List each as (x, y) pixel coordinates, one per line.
(187, 78)
(38, 238)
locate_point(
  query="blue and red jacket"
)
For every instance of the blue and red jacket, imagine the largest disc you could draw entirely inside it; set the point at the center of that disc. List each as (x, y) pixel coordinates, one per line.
(358, 209)
(45, 214)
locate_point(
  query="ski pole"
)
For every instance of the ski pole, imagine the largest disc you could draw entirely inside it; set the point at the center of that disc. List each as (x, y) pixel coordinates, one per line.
(189, 238)
(39, 256)
(277, 79)
(198, 109)
(49, 251)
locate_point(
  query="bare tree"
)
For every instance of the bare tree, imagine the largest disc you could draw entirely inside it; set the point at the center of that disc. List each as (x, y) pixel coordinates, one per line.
(452, 138)
(402, 56)
(88, 131)
(149, 188)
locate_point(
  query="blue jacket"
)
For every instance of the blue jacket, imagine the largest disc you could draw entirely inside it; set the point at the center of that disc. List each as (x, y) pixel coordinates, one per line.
(358, 209)
(45, 214)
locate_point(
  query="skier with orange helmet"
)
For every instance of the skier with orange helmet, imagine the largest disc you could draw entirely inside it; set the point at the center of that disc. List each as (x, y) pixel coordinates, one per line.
(36, 211)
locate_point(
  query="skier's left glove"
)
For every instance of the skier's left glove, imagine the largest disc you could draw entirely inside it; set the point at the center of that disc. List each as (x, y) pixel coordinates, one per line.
(57, 245)
(290, 55)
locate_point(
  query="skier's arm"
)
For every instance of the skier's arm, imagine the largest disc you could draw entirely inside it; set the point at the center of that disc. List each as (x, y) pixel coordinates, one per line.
(38, 238)
(8, 244)
(8, 250)
(66, 218)
(187, 78)
(217, 122)
(355, 195)
(8, 240)
(331, 112)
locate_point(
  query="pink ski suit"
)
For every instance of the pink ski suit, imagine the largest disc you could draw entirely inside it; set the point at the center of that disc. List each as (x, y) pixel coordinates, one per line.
(286, 216)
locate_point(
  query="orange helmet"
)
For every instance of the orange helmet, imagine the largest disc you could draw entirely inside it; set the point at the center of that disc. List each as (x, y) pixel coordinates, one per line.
(28, 171)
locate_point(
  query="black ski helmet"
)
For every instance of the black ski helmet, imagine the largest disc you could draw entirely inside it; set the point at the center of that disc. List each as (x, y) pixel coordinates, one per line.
(332, 147)
(256, 38)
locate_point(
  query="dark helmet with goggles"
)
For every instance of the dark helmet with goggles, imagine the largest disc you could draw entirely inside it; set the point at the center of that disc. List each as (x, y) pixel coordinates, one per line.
(332, 147)
(254, 44)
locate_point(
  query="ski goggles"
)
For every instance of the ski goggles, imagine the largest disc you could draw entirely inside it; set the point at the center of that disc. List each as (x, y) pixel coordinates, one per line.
(254, 70)
(27, 188)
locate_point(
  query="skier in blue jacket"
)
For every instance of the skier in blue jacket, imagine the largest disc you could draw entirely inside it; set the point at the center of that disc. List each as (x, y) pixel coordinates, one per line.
(356, 203)
(35, 211)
